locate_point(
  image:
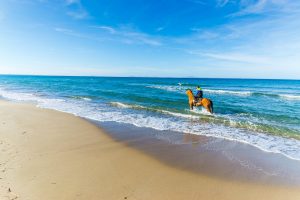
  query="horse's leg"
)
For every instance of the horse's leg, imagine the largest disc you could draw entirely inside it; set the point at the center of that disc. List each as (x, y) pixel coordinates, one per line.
(191, 105)
(209, 109)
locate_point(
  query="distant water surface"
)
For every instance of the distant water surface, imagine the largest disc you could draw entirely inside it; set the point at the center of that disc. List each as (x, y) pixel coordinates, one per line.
(263, 113)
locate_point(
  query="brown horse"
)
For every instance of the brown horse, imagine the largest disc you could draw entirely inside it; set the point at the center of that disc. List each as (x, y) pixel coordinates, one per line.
(206, 103)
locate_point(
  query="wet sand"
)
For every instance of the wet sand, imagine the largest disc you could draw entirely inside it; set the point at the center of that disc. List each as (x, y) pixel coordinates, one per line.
(47, 154)
(215, 157)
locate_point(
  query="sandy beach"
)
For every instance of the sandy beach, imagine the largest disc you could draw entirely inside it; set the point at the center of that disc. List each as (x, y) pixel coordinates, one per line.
(47, 154)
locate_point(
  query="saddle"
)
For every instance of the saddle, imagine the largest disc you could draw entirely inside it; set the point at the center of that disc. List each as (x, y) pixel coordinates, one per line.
(197, 100)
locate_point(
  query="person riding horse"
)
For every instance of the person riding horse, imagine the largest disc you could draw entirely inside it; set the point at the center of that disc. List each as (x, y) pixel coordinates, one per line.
(199, 94)
(205, 102)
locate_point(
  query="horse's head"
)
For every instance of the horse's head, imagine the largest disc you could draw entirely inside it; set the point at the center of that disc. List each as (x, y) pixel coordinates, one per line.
(190, 94)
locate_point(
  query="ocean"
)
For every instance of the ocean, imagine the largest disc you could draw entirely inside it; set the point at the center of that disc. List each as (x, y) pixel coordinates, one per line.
(262, 113)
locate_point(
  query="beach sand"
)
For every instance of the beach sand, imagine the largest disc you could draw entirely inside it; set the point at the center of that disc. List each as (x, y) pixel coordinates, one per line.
(47, 154)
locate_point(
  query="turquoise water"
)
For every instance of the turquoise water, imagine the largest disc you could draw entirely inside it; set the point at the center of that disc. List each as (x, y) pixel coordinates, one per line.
(263, 113)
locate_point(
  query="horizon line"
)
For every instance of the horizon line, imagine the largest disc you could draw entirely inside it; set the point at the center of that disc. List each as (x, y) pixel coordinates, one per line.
(111, 76)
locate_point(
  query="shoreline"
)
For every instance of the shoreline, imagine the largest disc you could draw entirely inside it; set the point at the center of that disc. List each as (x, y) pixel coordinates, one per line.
(48, 154)
(243, 126)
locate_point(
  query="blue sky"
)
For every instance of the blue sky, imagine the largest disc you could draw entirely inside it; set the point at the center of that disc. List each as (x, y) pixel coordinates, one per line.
(165, 38)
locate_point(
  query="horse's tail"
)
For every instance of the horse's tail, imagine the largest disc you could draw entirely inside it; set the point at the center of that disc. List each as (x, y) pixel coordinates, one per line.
(212, 106)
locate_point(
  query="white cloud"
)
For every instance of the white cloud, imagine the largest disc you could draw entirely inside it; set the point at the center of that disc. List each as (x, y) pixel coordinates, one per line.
(249, 7)
(106, 28)
(77, 11)
(129, 35)
(123, 34)
(235, 57)
(222, 3)
(139, 37)
(73, 33)
(64, 30)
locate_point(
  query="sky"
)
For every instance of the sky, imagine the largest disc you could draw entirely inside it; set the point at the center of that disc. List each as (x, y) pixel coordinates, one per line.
(151, 38)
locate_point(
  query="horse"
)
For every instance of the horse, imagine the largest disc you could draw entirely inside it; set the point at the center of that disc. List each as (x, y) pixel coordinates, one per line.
(205, 102)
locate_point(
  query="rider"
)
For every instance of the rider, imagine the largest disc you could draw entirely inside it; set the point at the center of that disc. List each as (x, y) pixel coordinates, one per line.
(199, 94)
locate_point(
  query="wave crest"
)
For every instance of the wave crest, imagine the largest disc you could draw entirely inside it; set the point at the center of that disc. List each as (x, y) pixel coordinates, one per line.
(290, 97)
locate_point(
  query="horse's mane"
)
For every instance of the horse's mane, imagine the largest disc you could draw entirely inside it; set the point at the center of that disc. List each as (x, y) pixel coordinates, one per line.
(190, 94)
